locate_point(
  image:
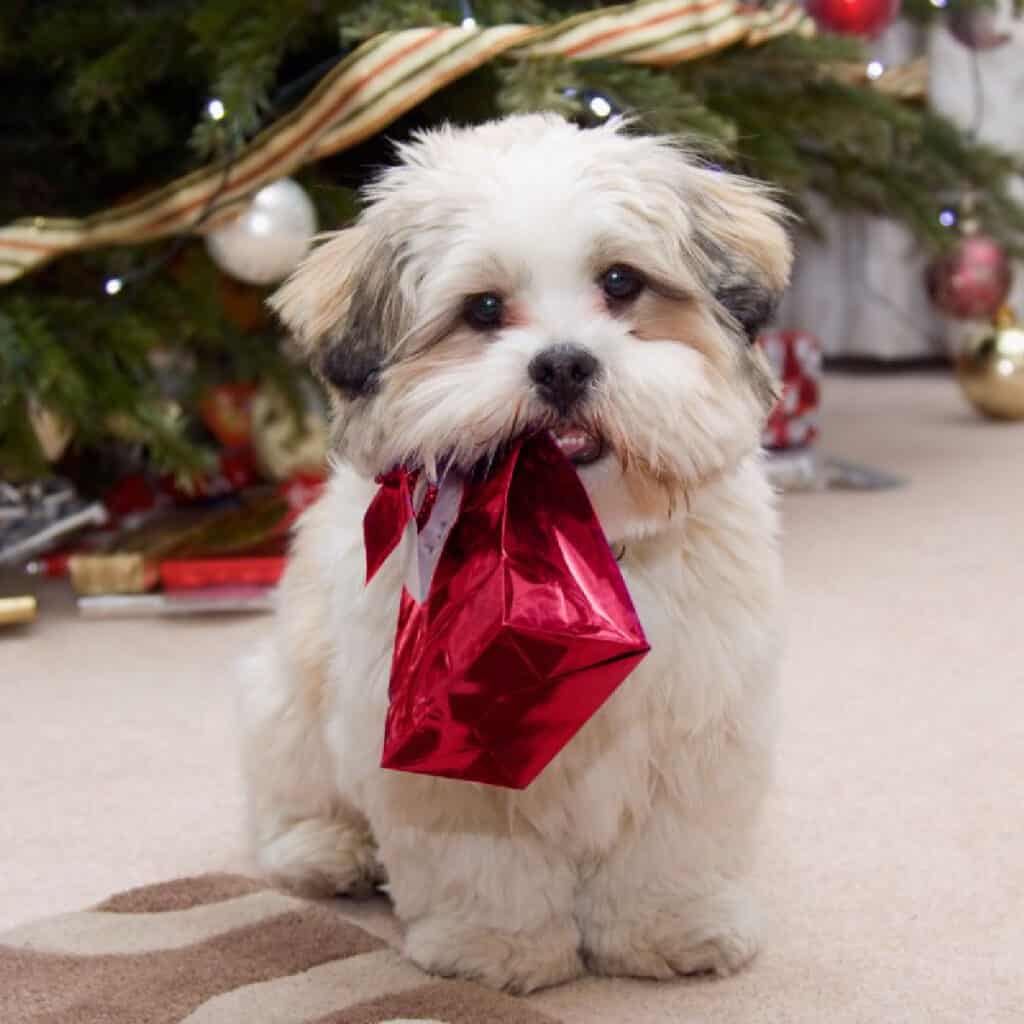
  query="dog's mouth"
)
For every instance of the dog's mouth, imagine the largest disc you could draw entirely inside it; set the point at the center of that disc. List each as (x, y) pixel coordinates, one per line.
(579, 445)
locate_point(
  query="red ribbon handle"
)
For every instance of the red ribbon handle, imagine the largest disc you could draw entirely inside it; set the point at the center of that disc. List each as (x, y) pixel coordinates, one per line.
(387, 517)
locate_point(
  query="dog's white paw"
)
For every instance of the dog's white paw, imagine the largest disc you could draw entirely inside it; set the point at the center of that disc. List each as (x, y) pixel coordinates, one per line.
(518, 962)
(672, 944)
(320, 857)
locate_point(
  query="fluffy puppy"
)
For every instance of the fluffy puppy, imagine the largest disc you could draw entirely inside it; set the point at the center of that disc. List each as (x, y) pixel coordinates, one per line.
(507, 278)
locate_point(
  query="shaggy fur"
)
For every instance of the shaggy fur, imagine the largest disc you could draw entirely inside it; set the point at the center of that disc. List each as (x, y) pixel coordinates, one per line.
(628, 854)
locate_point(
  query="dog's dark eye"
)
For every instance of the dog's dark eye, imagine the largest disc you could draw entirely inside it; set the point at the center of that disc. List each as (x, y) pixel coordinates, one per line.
(484, 311)
(622, 283)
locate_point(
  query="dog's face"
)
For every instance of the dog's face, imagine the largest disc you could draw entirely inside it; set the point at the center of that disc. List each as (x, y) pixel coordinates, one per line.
(527, 275)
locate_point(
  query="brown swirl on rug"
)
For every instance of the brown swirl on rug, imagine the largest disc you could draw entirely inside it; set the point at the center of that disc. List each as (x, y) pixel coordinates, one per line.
(221, 949)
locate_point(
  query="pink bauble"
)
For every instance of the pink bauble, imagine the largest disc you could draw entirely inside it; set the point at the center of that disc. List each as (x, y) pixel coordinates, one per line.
(973, 280)
(854, 17)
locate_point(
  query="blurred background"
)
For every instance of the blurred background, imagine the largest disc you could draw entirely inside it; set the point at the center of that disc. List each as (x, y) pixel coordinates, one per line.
(165, 164)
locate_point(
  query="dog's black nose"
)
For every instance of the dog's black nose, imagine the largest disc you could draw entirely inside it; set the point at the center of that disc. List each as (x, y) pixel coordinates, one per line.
(562, 374)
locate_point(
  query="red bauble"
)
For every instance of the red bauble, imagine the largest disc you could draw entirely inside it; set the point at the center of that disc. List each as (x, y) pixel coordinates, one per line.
(854, 17)
(973, 280)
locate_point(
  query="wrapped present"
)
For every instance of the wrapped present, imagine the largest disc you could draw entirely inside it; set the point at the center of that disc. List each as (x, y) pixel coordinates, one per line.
(34, 517)
(515, 624)
(128, 560)
(796, 358)
(219, 600)
(240, 543)
(255, 569)
(207, 561)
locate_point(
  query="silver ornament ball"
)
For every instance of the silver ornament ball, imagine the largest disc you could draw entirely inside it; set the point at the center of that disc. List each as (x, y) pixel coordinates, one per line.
(267, 242)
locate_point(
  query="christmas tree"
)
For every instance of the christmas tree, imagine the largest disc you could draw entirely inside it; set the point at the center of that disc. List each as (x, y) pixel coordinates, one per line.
(131, 129)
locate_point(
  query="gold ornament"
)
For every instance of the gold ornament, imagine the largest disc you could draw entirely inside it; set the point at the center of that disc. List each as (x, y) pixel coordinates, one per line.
(14, 611)
(991, 369)
(282, 447)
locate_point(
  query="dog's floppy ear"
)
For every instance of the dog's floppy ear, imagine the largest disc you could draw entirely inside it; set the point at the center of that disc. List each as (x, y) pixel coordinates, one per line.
(315, 297)
(741, 231)
(342, 306)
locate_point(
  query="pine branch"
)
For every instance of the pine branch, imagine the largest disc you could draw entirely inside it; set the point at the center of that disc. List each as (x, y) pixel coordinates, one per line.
(528, 86)
(802, 128)
(149, 46)
(102, 363)
(366, 20)
(246, 42)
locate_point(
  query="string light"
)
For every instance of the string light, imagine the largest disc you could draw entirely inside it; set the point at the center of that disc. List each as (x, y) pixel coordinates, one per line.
(468, 17)
(600, 107)
(947, 217)
(875, 70)
(217, 111)
(939, 3)
(115, 285)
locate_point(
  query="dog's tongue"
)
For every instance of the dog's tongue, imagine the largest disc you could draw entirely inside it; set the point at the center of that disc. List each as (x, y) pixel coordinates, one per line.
(577, 444)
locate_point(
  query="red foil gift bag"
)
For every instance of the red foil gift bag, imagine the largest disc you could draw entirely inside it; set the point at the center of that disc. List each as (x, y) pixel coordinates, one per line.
(515, 624)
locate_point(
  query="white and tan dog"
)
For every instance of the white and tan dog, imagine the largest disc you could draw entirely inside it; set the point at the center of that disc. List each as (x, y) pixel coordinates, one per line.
(516, 276)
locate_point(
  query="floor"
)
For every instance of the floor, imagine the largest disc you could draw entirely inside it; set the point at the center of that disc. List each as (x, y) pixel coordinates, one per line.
(893, 861)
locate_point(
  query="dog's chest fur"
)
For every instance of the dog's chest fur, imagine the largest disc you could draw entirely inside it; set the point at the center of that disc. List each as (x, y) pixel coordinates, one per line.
(708, 594)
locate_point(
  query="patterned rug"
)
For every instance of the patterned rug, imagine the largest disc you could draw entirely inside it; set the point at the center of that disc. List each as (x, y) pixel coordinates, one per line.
(223, 949)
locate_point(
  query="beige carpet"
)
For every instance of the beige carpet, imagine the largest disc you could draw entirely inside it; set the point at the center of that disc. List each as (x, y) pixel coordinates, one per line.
(893, 866)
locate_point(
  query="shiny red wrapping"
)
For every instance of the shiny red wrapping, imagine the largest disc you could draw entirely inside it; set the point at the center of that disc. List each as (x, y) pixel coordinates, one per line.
(525, 629)
(796, 358)
(386, 519)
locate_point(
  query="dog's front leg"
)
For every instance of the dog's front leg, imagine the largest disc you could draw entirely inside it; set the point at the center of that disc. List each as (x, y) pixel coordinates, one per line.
(672, 897)
(479, 899)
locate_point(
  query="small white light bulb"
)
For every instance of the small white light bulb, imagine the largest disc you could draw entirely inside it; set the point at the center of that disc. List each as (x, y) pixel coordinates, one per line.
(939, 3)
(947, 217)
(600, 107)
(113, 285)
(216, 110)
(469, 22)
(875, 70)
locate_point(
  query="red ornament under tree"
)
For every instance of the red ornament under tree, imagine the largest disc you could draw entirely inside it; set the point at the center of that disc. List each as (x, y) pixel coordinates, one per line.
(973, 280)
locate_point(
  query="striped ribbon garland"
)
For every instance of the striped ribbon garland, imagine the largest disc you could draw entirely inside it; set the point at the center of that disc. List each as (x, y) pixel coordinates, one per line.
(376, 84)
